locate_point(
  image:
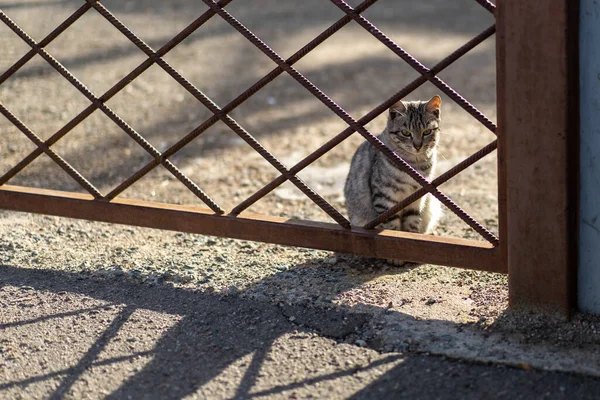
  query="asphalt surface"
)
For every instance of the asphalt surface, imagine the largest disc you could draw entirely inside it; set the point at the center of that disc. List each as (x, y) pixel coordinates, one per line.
(124, 340)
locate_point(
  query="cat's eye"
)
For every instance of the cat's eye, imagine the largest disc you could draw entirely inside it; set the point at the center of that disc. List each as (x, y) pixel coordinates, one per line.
(405, 132)
(427, 132)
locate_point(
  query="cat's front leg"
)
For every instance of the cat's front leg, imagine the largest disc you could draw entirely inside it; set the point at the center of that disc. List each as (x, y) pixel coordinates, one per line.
(411, 220)
(394, 223)
(431, 211)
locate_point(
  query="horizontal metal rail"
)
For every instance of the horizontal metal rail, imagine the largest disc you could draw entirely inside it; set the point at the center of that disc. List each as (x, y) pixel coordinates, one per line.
(462, 253)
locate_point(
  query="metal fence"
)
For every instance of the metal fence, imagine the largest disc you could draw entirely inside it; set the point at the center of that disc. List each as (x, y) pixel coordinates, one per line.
(491, 255)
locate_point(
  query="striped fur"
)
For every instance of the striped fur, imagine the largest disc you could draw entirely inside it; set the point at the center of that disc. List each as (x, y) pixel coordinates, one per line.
(375, 184)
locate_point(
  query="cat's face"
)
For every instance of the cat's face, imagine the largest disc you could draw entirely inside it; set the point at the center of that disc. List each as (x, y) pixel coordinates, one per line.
(414, 127)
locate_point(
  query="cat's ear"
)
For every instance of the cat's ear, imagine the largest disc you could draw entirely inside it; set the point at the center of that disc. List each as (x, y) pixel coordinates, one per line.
(433, 105)
(397, 109)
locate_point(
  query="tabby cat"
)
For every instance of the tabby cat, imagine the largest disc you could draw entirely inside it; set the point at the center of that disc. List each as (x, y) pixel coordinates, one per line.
(375, 184)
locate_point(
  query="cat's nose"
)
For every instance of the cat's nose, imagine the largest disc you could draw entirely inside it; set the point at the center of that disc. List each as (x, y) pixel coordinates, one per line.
(418, 146)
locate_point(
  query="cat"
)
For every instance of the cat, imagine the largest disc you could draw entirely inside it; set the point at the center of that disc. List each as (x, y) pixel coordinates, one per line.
(375, 183)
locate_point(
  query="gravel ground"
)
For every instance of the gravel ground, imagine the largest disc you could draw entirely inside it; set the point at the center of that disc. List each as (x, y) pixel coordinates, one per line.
(93, 309)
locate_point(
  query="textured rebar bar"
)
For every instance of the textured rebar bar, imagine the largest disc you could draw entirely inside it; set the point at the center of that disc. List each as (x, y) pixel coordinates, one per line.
(350, 121)
(451, 173)
(242, 97)
(45, 41)
(111, 92)
(51, 153)
(488, 5)
(415, 64)
(365, 119)
(215, 109)
(114, 117)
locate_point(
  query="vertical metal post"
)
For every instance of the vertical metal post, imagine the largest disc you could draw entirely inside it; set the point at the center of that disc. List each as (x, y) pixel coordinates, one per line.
(588, 294)
(538, 148)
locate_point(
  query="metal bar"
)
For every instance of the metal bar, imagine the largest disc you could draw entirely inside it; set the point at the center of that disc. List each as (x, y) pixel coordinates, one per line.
(539, 114)
(416, 65)
(380, 243)
(365, 119)
(488, 5)
(215, 109)
(501, 151)
(51, 153)
(241, 98)
(45, 41)
(114, 117)
(451, 173)
(111, 92)
(350, 121)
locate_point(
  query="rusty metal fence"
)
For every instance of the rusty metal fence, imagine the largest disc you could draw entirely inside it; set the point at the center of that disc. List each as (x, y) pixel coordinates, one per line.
(490, 255)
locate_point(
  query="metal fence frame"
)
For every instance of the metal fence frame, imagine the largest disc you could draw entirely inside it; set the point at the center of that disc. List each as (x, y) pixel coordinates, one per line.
(518, 251)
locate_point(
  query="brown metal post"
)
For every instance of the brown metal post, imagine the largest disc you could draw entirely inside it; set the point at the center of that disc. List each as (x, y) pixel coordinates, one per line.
(538, 138)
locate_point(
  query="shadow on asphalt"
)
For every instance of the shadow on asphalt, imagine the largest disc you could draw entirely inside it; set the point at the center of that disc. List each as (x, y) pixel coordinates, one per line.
(215, 331)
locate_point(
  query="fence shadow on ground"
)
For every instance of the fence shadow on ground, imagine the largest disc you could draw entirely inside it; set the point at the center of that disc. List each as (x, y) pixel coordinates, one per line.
(216, 331)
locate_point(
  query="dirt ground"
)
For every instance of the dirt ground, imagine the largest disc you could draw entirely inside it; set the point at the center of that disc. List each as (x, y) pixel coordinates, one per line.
(92, 310)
